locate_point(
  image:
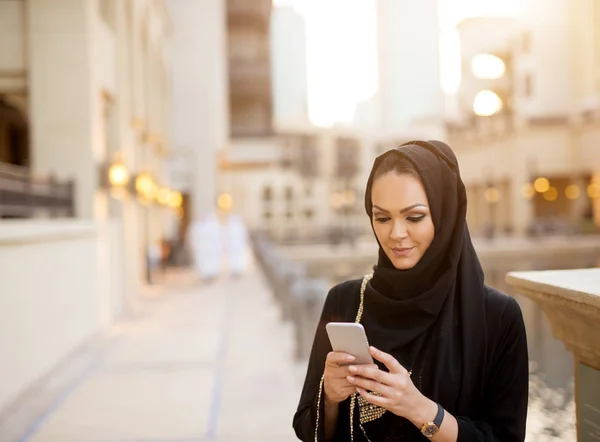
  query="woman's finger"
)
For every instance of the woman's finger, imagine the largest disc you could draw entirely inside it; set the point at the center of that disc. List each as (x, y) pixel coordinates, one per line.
(335, 358)
(372, 372)
(388, 360)
(370, 385)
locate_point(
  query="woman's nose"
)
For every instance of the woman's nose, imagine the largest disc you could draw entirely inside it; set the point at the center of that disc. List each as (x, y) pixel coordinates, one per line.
(399, 230)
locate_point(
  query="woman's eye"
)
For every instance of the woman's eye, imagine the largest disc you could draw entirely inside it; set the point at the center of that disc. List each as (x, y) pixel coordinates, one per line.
(381, 220)
(415, 219)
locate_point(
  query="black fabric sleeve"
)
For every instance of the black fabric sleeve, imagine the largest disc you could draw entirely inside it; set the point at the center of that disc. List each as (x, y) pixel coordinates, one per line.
(504, 408)
(306, 415)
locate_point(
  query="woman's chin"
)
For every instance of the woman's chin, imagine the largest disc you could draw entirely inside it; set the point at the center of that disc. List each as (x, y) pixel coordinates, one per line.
(403, 263)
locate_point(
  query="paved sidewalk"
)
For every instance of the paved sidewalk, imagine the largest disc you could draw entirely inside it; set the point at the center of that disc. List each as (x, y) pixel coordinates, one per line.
(199, 363)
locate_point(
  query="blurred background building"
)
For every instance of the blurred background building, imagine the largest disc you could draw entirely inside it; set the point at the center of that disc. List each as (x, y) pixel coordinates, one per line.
(85, 200)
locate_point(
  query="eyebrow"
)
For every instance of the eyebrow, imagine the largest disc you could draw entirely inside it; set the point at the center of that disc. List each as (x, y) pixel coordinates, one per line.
(406, 209)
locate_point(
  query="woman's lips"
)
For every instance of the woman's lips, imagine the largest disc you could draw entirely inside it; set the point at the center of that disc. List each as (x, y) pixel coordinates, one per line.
(404, 251)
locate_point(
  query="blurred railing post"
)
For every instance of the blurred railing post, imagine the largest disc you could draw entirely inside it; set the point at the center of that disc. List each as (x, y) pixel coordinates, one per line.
(571, 300)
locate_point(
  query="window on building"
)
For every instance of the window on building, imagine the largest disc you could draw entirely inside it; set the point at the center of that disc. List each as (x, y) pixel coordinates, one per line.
(308, 191)
(267, 194)
(528, 85)
(289, 194)
(309, 213)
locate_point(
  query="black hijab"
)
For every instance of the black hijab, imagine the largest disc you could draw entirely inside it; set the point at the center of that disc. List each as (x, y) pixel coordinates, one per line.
(431, 317)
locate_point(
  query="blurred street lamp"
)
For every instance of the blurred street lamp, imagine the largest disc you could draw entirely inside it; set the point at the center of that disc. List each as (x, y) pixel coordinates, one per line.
(163, 195)
(492, 195)
(118, 175)
(336, 200)
(593, 191)
(225, 201)
(146, 187)
(487, 103)
(175, 199)
(488, 67)
(551, 194)
(541, 185)
(572, 191)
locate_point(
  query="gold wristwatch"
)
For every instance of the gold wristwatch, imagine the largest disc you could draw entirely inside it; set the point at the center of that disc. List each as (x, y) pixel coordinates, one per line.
(430, 429)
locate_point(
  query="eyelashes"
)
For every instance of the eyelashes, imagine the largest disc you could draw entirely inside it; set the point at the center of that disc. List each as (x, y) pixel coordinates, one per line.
(412, 219)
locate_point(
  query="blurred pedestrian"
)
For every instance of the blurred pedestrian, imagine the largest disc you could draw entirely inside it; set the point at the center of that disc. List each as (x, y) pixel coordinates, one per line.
(450, 352)
(237, 245)
(206, 245)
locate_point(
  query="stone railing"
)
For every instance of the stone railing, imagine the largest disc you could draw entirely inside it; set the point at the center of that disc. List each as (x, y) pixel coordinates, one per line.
(571, 300)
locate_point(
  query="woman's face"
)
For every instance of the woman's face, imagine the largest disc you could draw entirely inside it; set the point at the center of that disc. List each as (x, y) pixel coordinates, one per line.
(401, 218)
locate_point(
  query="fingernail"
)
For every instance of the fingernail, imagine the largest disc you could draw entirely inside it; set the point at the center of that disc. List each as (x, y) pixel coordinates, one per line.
(353, 369)
(351, 378)
(373, 348)
(350, 358)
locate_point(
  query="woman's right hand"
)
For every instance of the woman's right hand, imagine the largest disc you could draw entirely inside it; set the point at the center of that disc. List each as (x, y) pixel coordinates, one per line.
(335, 380)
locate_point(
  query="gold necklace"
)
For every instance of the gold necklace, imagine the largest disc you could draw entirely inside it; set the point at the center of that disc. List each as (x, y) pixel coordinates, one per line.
(367, 412)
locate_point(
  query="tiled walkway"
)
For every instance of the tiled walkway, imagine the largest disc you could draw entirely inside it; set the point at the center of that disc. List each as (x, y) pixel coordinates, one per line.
(200, 363)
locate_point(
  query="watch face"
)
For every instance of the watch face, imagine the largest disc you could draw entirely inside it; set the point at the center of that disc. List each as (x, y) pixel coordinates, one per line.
(430, 430)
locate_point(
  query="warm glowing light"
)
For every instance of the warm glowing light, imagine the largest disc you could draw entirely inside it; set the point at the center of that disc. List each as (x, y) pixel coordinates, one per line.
(572, 192)
(225, 201)
(527, 190)
(163, 196)
(118, 175)
(487, 66)
(349, 197)
(551, 194)
(145, 186)
(492, 195)
(175, 199)
(336, 200)
(593, 190)
(541, 185)
(487, 103)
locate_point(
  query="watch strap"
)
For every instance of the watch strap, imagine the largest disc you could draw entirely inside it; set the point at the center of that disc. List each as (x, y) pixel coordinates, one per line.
(439, 417)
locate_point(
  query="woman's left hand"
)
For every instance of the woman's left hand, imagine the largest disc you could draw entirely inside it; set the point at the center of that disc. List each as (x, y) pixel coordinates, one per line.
(398, 393)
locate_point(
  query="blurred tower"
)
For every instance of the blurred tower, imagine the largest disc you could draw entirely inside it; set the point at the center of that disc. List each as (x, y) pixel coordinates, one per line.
(200, 123)
(409, 72)
(288, 48)
(249, 55)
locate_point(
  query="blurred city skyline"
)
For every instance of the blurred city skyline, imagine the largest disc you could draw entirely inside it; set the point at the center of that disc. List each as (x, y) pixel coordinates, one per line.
(342, 64)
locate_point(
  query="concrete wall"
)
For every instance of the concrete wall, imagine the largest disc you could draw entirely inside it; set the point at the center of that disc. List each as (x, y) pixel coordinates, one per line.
(59, 286)
(200, 117)
(61, 90)
(551, 60)
(12, 35)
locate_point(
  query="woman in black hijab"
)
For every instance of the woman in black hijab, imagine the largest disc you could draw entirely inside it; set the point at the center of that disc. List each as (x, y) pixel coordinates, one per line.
(451, 352)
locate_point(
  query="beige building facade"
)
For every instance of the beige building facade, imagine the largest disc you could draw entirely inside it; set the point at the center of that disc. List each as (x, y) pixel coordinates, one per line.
(86, 86)
(548, 128)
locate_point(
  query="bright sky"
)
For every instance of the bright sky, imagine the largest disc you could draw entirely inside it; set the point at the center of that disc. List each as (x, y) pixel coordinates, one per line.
(342, 63)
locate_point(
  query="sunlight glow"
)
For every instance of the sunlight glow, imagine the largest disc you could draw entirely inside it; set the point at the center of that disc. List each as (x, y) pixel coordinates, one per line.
(341, 60)
(487, 103)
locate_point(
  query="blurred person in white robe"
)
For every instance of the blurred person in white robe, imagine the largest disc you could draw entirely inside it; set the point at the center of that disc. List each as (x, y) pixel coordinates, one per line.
(207, 246)
(237, 245)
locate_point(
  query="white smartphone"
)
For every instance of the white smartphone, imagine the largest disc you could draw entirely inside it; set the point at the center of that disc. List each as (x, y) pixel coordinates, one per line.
(350, 337)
